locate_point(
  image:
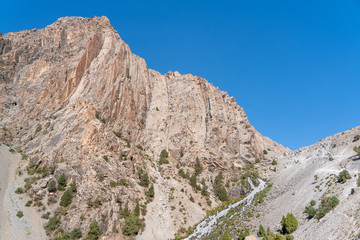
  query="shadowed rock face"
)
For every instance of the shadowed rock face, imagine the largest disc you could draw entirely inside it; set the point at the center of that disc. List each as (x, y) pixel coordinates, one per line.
(80, 82)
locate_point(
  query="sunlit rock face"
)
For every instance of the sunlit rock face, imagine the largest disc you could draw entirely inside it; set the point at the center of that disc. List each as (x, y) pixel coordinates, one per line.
(65, 90)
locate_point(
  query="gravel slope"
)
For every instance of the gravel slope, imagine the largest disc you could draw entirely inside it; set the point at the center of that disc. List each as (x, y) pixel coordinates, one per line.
(28, 227)
(310, 173)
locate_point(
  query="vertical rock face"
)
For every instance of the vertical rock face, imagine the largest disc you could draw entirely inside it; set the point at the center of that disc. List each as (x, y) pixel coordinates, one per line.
(66, 88)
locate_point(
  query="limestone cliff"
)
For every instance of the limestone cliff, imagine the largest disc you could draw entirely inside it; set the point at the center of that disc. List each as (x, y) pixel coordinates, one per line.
(74, 96)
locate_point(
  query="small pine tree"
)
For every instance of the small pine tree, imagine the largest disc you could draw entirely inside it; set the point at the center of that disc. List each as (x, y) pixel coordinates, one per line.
(137, 208)
(66, 198)
(198, 166)
(62, 182)
(262, 232)
(132, 225)
(289, 224)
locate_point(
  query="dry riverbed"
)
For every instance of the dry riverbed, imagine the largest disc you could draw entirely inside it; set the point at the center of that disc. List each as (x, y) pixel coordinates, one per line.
(30, 226)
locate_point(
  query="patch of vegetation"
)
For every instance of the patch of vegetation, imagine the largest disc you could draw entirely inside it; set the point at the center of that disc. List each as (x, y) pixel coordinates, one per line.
(183, 174)
(28, 203)
(94, 203)
(62, 182)
(150, 193)
(140, 147)
(326, 205)
(289, 224)
(94, 231)
(198, 167)
(19, 190)
(357, 150)
(12, 151)
(117, 134)
(274, 162)
(101, 177)
(66, 198)
(356, 138)
(52, 224)
(99, 117)
(259, 197)
(19, 214)
(343, 176)
(123, 182)
(144, 179)
(38, 128)
(164, 157)
(132, 225)
(265, 152)
(106, 158)
(219, 188)
(52, 186)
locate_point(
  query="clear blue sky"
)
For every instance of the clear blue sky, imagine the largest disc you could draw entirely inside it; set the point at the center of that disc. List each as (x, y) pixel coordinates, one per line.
(294, 66)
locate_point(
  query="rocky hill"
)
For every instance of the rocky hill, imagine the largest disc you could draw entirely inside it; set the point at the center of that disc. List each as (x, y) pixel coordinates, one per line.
(143, 154)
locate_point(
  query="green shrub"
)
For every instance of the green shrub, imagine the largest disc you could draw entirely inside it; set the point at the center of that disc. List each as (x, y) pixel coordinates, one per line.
(310, 211)
(219, 188)
(52, 224)
(19, 214)
(265, 152)
(19, 190)
(144, 180)
(62, 182)
(117, 134)
(358, 181)
(101, 177)
(132, 225)
(52, 186)
(28, 203)
(326, 205)
(38, 128)
(150, 193)
(106, 158)
(261, 232)
(123, 182)
(226, 236)
(289, 224)
(94, 231)
(243, 234)
(137, 208)
(356, 138)
(113, 184)
(76, 233)
(357, 150)
(343, 176)
(164, 157)
(66, 198)
(198, 167)
(274, 162)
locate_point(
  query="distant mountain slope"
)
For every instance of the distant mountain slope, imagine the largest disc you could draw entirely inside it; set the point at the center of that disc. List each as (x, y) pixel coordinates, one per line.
(311, 173)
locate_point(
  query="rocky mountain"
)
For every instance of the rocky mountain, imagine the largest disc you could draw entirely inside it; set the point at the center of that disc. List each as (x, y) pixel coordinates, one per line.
(143, 154)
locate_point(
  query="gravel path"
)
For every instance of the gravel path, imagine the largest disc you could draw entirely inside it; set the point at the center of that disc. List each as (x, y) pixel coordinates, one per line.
(29, 227)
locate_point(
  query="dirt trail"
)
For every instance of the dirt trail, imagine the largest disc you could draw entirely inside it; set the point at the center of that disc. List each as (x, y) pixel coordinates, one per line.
(28, 227)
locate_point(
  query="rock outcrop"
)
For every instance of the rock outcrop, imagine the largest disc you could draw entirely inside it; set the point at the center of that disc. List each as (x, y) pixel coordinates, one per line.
(74, 96)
